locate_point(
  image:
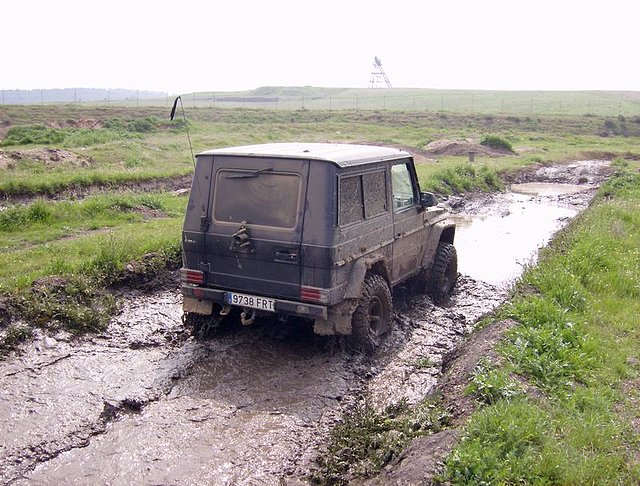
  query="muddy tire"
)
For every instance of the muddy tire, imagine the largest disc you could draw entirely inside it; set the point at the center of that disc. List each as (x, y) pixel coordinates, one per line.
(372, 318)
(444, 272)
(202, 327)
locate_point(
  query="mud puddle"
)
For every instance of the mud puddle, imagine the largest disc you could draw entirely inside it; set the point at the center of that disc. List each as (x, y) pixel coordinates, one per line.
(145, 404)
(495, 245)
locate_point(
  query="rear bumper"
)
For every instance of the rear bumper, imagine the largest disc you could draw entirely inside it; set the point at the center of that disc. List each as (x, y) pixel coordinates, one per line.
(287, 307)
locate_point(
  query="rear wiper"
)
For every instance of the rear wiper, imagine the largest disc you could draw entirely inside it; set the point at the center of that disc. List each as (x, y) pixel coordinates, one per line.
(250, 174)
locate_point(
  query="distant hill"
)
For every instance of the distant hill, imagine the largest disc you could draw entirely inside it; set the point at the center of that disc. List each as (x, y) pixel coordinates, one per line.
(74, 95)
(517, 103)
(525, 103)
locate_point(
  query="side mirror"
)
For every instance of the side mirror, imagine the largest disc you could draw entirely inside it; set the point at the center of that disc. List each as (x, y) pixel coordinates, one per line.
(428, 199)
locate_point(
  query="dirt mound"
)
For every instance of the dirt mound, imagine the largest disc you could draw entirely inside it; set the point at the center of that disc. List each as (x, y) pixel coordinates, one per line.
(50, 157)
(460, 148)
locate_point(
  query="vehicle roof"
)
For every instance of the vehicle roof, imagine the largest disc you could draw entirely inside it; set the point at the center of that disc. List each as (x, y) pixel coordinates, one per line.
(341, 154)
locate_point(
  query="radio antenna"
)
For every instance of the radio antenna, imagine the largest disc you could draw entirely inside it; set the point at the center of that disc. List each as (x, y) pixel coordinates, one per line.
(186, 126)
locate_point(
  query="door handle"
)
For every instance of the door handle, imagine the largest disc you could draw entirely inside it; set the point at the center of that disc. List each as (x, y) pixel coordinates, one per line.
(286, 256)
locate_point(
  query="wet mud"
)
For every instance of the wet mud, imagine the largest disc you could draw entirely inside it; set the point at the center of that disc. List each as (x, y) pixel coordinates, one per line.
(144, 403)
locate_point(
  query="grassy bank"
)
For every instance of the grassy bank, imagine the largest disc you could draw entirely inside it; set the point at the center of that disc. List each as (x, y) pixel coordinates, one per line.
(561, 404)
(58, 259)
(94, 236)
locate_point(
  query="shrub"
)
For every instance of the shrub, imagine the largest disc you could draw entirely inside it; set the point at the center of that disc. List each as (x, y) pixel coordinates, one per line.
(32, 134)
(497, 143)
(134, 125)
(73, 302)
(64, 137)
(366, 440)
(468, 177)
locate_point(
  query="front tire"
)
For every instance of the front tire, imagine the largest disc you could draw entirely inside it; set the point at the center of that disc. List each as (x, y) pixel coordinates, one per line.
(444, 272)
(371, 319)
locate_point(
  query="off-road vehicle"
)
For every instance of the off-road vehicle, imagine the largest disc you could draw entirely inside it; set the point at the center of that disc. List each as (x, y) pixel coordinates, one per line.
(317, 231)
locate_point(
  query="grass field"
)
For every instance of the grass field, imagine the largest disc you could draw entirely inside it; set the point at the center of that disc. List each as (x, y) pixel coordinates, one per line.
(116, 150)
(406, 99)
(521, 103)
(97, 168)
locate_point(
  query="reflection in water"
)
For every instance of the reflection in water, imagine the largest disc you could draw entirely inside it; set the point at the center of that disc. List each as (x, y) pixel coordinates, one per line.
(496, 247)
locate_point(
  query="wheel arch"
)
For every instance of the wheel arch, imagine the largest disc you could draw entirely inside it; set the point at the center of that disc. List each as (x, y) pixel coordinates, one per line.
(371, 264)
(441, 232)
(448, 234)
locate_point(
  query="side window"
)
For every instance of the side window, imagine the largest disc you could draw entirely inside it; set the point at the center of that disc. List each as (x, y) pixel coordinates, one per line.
(401, 186)
(362, 197)
(351, 203)
(375, 194)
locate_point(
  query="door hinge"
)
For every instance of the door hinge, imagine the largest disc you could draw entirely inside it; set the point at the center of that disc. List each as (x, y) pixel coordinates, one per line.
(205, 222)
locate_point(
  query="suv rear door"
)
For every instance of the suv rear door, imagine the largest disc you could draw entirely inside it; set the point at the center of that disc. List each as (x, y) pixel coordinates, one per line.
(253, 244)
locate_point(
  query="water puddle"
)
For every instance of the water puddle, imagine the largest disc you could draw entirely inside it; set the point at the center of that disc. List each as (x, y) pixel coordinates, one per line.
(546, 189)
(496, 242)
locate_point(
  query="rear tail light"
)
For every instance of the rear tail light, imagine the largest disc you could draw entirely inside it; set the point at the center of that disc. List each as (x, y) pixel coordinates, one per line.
(192, 276)
(313, 294)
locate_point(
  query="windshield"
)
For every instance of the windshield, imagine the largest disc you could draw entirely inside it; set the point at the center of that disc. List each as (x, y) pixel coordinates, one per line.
(257, 197)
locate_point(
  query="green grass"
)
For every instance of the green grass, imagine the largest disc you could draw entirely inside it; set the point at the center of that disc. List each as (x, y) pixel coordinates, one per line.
(576, 344)
(24, 226)
(69, 137)
(490, 383)
(99, 252)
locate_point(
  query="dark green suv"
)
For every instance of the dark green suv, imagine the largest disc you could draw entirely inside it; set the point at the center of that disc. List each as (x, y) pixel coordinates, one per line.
(313, 230)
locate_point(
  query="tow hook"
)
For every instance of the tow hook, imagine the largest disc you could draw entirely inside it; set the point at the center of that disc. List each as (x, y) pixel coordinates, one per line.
(225, 310)
(245, 321)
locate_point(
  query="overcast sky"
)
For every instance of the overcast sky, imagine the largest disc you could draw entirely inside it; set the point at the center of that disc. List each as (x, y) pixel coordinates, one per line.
(184, 46)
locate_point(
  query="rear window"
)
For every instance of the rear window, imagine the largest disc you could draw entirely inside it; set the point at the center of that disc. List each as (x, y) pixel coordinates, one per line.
(260, 197)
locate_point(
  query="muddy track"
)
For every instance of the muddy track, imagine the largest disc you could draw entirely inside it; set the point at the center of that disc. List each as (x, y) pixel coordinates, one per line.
(143, 403)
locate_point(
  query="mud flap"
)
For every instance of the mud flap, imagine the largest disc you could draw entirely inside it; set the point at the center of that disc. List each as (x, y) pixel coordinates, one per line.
(197, 306)
(338, 319)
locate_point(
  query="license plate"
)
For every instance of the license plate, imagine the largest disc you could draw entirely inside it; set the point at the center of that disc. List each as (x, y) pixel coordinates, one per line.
(252, 301)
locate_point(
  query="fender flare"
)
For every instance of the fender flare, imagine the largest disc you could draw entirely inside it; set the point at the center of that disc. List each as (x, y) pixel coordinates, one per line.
(442, 231)
(353, 289)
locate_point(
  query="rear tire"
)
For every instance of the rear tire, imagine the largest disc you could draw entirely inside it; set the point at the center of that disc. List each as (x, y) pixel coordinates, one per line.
(444, 272)
(372, 318)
